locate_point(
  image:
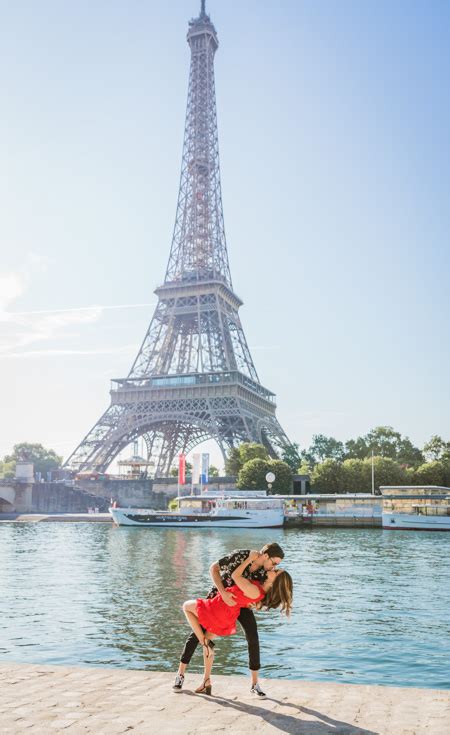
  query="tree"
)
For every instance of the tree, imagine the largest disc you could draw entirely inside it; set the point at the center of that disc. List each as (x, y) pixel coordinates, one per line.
(238, 456)
(233, 462)
(252, 476)
(436, 448)
(44, 460)
(328, 477)
(430, 473)
(324, 447)
(357, 476)
(283, 477)
(384, 442)
(291, 455)
(251, 450)
(356, 448)
(387, 472)
(305, 468)
(213, 471)
(7, 470)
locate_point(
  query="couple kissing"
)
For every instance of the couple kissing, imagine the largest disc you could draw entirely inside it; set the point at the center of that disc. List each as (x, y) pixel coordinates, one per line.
(244, 580)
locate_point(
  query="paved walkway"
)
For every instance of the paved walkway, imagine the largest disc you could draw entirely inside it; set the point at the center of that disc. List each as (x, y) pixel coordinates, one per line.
(52, 699)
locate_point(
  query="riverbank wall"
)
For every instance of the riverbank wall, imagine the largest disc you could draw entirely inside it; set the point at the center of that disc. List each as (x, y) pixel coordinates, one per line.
(84, 701)
(78, 496)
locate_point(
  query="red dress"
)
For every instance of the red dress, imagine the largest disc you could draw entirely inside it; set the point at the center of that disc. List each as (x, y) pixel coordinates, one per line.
(218, 617)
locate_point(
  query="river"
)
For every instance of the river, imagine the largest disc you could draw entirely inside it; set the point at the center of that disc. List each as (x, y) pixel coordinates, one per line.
(370, 606)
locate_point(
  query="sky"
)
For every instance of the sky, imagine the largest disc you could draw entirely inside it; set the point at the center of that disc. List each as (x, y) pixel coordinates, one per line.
(334, 144)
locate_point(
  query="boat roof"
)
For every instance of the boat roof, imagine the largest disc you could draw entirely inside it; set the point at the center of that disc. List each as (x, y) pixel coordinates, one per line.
(247, 498)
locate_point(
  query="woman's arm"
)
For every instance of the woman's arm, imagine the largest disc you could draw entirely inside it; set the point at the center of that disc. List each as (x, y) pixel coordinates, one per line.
(225, 594)
(248, 588)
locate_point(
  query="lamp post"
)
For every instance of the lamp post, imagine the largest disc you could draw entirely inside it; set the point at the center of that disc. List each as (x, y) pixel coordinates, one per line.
(270, 479)
(373, 476)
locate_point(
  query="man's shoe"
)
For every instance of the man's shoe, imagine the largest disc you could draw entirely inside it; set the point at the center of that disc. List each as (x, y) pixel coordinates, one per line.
(257, 691)
(179, 681)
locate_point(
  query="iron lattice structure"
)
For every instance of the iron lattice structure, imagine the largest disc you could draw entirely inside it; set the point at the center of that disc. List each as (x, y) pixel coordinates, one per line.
(193, 378)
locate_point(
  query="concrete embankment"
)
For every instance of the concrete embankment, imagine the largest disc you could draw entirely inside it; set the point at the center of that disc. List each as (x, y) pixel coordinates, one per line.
(51, 699)
(55, 518)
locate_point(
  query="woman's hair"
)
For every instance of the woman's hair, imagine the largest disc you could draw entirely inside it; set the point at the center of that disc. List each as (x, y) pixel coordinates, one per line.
(272, 550)
(280, 594)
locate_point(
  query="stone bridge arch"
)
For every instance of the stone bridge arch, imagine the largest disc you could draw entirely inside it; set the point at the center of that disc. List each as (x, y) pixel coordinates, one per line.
(7, 499)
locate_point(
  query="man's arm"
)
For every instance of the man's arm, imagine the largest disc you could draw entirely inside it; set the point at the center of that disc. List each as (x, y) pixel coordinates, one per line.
(248, 588)
(226, 596)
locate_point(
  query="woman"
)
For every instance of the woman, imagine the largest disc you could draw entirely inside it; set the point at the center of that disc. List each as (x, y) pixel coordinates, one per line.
(209, 618)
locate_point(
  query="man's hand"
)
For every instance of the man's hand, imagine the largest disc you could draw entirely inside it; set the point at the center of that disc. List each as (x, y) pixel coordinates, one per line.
(254, 555)
(228, 598)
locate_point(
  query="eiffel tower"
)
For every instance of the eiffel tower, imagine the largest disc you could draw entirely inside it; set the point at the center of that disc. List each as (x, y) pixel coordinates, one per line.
(193, 378)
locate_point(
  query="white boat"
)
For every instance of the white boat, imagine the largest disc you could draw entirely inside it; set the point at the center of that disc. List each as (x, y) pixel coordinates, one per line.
(208, 512)
(426, 517)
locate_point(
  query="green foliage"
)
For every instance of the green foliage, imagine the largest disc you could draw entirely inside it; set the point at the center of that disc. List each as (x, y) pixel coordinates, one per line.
(283, 475)
(44, 460)
(7, 470)
(305, 468)
(172, 504)
(233, 462)
(252, 476)
(291, 455)
(431, 473)
(436, 449)
(335, 468)
(249, 451)
(322, 448)
(213, 471)
(387, 472)
(384, 442)
(357, 475)
(328, 477)
(238, 456)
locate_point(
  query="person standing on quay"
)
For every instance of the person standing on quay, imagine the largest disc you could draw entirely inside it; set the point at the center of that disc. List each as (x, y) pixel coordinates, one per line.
(268, 558)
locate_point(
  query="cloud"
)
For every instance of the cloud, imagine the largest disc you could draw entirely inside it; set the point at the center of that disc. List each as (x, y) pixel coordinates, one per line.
(23, 329)
(94, 307)
(11, 287)
(63, 353)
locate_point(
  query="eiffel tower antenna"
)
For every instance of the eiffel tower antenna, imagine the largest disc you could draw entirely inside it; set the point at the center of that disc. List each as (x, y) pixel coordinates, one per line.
(193, 378)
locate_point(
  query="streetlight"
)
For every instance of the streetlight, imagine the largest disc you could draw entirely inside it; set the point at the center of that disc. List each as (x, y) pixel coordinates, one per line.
(270, 478)
(373, 476)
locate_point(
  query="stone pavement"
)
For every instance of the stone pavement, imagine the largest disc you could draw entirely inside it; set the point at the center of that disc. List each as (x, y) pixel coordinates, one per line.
(59, 699)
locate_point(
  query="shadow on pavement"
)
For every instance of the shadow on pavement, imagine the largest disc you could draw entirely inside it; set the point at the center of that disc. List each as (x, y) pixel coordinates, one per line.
(291, 723)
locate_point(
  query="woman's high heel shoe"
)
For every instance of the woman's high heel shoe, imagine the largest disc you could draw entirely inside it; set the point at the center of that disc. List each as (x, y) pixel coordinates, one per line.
(205, 687)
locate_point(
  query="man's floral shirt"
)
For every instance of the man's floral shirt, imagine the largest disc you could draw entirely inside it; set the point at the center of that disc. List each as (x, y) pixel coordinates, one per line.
(229, 563)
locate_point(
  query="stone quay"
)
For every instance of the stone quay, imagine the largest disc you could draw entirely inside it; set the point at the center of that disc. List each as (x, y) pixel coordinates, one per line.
(42, 699)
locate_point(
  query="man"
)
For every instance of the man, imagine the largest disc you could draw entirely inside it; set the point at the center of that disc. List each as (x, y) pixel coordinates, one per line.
(269, 557)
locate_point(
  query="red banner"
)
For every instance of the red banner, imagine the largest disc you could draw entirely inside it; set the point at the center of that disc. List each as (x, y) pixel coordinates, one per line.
(182, 469)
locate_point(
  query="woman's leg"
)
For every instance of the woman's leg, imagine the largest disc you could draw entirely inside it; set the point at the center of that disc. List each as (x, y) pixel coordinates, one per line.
(208, 658)
(190, 610)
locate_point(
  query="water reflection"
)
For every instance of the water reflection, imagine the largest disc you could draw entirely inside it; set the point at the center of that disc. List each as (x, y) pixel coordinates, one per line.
(370, 606)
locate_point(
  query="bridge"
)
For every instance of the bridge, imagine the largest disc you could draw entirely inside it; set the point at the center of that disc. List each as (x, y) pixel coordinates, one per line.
(16, 496)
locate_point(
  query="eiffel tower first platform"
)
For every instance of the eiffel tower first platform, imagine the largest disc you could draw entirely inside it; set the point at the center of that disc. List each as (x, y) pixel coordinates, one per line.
(193, 378)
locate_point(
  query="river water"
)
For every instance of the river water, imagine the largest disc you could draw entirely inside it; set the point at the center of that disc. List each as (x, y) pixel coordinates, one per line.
(370, 607)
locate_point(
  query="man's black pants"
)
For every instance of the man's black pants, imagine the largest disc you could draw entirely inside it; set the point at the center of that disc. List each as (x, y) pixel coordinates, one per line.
(248, 622)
